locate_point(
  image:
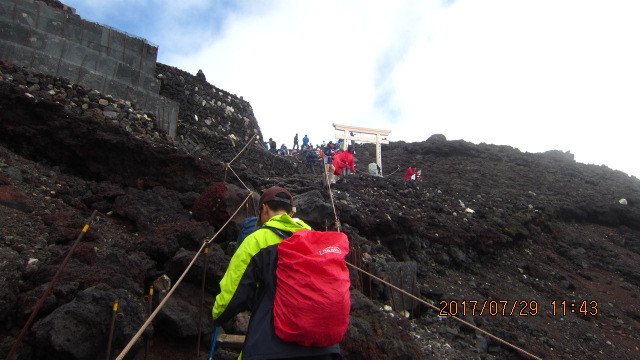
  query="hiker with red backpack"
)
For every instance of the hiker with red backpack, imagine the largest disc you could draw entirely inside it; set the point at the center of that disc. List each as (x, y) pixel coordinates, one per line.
(289, 274)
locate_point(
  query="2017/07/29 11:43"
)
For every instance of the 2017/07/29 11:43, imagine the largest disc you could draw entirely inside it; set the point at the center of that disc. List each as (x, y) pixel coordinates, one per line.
(584, 307)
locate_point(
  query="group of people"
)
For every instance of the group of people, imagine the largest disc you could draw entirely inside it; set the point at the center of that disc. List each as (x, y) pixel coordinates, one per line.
(272, 146)
(305, 143)
(337, 162)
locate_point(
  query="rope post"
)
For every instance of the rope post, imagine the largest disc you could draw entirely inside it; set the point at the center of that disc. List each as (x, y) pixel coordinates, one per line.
(112, 328)
(201, 307)
(393, 296)
(253, 205)
(404, 308)
(44, 296)
(147, 343)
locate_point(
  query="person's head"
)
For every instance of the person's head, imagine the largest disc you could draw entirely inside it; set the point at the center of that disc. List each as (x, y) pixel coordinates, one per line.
(413, 167)
(350, 148)
(270, 139)
(274, 201)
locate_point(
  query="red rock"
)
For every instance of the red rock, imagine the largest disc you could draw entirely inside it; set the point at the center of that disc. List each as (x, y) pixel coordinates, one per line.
(14, 198)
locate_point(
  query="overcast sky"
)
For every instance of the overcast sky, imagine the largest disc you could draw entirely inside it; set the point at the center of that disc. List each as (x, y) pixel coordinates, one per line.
(537, 75)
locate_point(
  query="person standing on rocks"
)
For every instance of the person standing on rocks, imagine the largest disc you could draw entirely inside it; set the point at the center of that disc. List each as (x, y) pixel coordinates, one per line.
(252, 275)
(273, 147)
(305, 141)
(295, 143)
(329, 151)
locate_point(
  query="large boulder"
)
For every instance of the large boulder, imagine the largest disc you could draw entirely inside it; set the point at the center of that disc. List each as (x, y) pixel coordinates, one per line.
(312, 207)
(219, 202)
(375, 335)
(181, 316)
(151, 209)
(163, 243)
(216, 266)
(80, 329)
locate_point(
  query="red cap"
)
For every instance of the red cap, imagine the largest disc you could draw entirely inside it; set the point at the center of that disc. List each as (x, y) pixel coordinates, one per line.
(275, 193)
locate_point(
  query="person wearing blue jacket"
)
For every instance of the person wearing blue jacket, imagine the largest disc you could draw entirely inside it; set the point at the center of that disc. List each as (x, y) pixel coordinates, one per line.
(329, 151)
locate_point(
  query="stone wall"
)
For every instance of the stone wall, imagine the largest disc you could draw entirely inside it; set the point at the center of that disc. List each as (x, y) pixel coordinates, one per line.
(209, 117)
(59, 43)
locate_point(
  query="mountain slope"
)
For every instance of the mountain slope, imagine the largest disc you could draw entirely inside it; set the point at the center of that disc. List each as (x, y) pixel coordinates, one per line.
(487, 223)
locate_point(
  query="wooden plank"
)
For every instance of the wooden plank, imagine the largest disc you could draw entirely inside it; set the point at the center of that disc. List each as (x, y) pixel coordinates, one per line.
(231, 341)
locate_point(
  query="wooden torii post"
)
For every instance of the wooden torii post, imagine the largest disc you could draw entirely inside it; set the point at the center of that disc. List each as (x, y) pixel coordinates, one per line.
(355, 133)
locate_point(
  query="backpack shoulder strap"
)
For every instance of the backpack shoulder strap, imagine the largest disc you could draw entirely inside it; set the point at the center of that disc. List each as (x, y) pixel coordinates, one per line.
(283, 234)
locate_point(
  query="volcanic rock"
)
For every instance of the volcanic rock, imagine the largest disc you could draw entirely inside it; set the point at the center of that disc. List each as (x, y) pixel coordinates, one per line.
(540, 233)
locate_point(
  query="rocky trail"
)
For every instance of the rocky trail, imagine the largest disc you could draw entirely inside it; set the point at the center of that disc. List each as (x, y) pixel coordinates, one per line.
(536, 249)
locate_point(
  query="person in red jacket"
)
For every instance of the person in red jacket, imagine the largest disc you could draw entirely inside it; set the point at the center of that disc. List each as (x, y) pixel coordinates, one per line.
(411, 173)
(343, 162)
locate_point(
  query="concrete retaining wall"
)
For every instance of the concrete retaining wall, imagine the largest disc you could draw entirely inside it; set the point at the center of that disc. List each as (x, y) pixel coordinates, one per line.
(59, 43)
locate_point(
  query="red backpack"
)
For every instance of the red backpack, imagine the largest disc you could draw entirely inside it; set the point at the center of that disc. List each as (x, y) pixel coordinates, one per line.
(312, 300)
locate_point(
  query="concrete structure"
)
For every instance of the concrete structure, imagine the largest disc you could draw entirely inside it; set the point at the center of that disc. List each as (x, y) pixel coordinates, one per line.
(59, 43)
(354, 133)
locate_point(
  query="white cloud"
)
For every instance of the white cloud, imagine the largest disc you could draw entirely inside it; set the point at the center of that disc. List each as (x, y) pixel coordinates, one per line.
(537, 75)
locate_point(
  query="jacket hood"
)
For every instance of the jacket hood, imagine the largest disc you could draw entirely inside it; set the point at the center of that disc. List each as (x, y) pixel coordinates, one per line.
(286, 223)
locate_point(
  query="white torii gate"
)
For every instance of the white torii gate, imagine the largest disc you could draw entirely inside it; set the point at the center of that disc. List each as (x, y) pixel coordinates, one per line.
(378, 139)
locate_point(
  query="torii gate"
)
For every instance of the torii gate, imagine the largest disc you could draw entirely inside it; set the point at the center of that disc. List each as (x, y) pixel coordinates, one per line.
(349, 130)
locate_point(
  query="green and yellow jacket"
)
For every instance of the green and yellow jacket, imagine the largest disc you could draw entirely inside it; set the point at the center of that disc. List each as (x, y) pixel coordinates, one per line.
(251, 280)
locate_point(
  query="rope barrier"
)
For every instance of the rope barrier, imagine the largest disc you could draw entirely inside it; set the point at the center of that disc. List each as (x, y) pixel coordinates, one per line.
(205, 244)
(504, 342)
(237, 177)
(367, 173)
(333, 205)
(245, 146)
(146, 324)
(395, 171)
